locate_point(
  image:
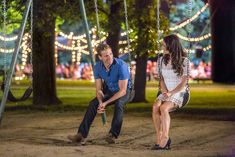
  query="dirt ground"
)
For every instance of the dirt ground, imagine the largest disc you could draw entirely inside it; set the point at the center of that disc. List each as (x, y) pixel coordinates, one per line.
(44, 135)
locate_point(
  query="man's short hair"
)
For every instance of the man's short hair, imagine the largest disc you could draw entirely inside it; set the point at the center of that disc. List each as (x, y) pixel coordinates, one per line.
(101, 47)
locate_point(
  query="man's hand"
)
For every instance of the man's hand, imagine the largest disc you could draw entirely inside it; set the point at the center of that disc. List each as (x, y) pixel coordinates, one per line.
(101, 108)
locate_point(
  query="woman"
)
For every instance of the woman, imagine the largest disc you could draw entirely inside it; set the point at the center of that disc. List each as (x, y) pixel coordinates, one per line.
(173, 80)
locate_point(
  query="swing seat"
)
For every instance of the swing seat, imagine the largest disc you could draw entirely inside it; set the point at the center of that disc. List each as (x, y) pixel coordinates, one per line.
(24, 97)
(186, 98)
(132, 95)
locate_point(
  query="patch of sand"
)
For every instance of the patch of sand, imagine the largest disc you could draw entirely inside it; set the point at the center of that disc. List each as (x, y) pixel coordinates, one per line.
(44, 135)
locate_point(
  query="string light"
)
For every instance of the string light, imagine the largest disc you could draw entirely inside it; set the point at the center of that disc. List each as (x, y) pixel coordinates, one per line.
(190, 19)
(72, 37)
(25, 49)
(6, 50)
(56, 52)
(71, 48)
(8, 38)
(207, 48)
(73, 52)
(78, 53)
(206, 36)
(204, 49)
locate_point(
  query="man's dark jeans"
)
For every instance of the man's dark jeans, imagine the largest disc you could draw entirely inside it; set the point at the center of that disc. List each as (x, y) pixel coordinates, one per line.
(117, 117)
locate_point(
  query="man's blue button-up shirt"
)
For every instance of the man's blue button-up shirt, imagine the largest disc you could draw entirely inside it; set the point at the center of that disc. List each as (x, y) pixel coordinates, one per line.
(118, 71)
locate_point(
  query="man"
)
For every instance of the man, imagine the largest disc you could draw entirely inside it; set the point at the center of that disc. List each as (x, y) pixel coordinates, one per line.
(114, 73)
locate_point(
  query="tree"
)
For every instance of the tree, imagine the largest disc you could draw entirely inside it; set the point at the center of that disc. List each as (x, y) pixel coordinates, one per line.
(223, 39)
(200, 26)
(110, 19)
(14, 10)
(146, 43)
(142, 19)
(45, 13)
(44, 82)
(114, 25)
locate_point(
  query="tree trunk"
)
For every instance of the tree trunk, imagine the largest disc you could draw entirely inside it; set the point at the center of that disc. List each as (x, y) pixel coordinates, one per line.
(165, 8)
(114, 24)
(44, 81)
(142, 10)
(140, 79)
(223, 40)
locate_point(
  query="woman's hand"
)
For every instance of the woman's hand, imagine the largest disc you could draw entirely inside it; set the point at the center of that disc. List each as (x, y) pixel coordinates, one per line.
(167, 94)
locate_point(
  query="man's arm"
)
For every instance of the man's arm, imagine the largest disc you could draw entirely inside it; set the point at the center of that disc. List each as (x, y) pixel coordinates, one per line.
(99, 93)
(122, 91)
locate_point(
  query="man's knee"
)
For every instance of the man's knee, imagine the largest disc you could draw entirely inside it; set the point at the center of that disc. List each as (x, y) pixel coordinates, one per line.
(119, 105)
(120, 102)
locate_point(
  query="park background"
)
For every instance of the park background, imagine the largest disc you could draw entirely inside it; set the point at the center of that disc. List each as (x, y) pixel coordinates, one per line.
(61, 89)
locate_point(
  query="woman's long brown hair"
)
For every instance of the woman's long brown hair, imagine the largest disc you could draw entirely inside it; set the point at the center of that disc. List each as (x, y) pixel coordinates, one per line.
(177, 53)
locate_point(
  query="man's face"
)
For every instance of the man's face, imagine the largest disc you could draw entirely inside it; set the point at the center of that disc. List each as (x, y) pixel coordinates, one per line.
(106, 56)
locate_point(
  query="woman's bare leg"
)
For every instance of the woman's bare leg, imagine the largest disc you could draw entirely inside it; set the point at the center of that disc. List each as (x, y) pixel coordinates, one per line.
(157, 120)
(165, 108)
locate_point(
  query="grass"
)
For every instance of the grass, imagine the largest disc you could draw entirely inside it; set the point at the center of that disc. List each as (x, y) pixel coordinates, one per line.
(215, 101)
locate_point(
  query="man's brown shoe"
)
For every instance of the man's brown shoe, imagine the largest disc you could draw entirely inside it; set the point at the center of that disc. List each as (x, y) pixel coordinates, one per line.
(110, 139)
(77, 138)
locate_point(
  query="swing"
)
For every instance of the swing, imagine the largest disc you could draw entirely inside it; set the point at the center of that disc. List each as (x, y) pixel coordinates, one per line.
(14, 57)
(29, 90)
(186, 94)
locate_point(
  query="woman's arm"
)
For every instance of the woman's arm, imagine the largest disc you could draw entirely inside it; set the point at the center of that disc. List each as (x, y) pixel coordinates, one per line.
(163, 86)
(178, 88)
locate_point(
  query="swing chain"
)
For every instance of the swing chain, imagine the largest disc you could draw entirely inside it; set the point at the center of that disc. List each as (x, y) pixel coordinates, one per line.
(97, 20)
(158, 25)
(5, 45)
(158, 42)
(31, 42)
(189, 13)
(127, 30)
(189, 28)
